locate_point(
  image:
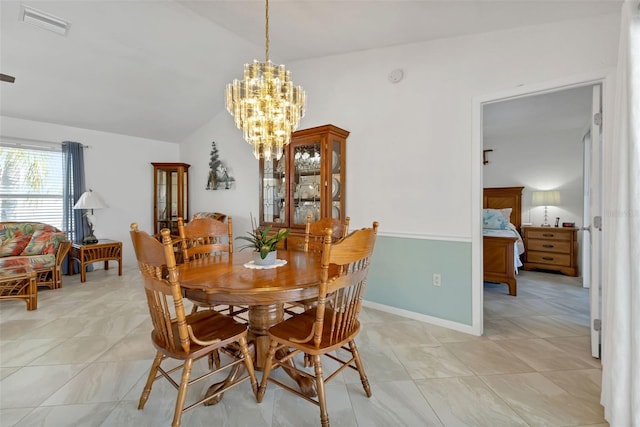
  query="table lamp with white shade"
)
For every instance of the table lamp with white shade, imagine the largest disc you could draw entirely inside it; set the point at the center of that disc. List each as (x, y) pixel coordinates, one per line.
(546, 199)
(90, 201)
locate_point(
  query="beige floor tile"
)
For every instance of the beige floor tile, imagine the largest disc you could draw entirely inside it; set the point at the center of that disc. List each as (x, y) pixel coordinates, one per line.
(88, 415)
(19, 353)
(430, 362)
(486, 357)
(395, 403)
(307, 414)
(540, 402)
(10, 417)
(398, 333)
(76, 350)
(467, 401)
(584, 383)
(504, 329)
(578, 348)
(32, 385)
(550, 326)
(100, 382)
(541, 354)
(5, 372)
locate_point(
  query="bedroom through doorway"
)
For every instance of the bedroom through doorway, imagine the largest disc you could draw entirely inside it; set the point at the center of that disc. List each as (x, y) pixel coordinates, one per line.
(537, 141)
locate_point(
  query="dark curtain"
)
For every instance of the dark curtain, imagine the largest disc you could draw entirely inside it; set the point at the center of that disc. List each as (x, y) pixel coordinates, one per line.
(72, 219)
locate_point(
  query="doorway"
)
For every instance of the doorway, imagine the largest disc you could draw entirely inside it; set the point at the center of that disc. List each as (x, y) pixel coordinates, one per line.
(552, 118)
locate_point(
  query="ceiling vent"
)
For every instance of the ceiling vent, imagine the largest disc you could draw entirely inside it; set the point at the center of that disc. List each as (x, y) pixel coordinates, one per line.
(44, 20)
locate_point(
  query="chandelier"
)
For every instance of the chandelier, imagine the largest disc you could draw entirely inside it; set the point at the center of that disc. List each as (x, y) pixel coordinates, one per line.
(265, 105)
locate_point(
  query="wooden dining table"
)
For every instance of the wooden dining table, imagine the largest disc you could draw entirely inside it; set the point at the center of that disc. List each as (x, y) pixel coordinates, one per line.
(226, 279)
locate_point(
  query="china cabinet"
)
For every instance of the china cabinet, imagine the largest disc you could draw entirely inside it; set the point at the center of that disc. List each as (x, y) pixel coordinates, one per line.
(170, 195)
(309, 179)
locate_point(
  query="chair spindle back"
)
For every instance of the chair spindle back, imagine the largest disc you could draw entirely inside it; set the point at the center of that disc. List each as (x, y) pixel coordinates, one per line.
(158, 268)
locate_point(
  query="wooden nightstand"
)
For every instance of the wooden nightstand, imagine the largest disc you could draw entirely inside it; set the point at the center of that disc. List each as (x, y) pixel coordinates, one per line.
(551, 248)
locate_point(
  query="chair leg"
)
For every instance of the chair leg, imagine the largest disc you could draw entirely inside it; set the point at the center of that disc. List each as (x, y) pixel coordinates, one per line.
(360, 366)
(322, 398)
(248, 363)
(214, 359)
(182, 392)
(152, 376)
(266, 370)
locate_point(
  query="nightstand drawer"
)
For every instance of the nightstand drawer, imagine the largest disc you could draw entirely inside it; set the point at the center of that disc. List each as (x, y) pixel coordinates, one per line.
(549, 246)
(549, 258)
(549, 235)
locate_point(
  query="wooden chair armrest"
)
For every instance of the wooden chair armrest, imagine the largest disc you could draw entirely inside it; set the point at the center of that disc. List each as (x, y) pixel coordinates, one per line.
(63, 249)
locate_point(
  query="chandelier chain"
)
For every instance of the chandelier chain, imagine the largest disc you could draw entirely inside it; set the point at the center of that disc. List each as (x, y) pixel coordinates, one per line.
(265, 104)
(266, 30)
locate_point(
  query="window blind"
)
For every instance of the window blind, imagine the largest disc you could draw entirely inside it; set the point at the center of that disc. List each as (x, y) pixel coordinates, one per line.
(31, 183)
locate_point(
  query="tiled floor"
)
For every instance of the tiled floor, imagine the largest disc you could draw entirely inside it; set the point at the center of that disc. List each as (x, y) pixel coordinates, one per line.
(82, 358)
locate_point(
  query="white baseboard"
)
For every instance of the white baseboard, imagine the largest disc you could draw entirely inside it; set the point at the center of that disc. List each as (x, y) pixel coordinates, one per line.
(467, 329)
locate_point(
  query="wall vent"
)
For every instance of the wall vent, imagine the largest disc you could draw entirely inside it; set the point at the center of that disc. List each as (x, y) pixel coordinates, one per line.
(44, 20)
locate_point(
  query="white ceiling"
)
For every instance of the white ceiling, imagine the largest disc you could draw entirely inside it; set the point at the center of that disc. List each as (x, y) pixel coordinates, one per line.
(563, 110)
(157, 69)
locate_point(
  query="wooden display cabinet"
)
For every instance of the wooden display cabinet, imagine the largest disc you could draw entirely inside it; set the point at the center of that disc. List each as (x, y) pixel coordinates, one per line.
(309, 179)
(170, 195)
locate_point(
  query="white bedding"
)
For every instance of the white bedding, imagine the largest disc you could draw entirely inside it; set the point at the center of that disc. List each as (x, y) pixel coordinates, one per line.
(512, 231)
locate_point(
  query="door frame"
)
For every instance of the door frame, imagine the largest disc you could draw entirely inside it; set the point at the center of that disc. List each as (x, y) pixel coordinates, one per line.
(604, 78)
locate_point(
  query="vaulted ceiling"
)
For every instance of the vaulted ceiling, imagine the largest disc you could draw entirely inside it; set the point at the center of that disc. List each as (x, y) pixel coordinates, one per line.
(157, 69)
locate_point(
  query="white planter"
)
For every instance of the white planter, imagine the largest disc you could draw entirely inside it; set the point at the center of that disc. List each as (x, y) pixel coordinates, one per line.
(270, 259)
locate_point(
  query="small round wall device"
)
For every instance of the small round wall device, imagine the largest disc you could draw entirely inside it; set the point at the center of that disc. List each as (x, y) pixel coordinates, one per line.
(396, 75)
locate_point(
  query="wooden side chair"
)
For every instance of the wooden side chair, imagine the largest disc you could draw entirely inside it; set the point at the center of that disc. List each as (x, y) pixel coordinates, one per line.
(204, 237)
(179, 336)
(332, 323)
(314, 233)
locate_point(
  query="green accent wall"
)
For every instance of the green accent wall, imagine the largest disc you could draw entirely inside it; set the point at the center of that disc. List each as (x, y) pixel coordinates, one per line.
(402, 272)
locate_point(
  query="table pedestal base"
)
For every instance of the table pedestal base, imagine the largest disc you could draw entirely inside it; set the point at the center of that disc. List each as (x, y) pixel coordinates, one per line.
(261, 318)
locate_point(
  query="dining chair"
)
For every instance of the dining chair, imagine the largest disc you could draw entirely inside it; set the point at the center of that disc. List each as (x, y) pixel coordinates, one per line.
(332, 324)
(314, 233)
(204, 237)
(179, 336)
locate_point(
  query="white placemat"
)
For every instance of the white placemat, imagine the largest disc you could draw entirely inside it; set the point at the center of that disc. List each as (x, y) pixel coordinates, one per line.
(278, 263)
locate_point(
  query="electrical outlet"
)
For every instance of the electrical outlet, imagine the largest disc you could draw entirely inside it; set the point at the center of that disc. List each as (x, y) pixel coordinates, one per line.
(437, 279)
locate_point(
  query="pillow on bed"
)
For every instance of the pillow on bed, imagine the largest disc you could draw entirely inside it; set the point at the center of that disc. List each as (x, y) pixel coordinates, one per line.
(494, 219)
(506, 213)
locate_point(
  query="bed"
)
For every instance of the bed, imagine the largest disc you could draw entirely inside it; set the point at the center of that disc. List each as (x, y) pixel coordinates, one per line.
(501, 250)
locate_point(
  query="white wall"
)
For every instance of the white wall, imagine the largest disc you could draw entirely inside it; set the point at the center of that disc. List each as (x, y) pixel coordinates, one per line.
(117, 167)
(409, 152)
(241, 200)
(539, 161)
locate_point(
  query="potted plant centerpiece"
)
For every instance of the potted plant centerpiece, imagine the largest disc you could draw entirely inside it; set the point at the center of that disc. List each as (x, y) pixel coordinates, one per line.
(263, 243)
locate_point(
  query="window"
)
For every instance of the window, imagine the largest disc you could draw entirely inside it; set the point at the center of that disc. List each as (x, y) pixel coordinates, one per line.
(31, 184)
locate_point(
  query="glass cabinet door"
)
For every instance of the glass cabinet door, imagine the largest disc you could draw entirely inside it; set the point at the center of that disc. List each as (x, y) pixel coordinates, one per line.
(171, 189)
(274, 191)
(306, 181)
(335, 189)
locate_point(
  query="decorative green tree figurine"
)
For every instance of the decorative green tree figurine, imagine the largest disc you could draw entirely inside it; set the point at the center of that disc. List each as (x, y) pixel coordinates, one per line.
(214, 163)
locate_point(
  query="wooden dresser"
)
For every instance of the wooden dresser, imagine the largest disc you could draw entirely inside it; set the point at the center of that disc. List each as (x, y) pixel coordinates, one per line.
(551, 248)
